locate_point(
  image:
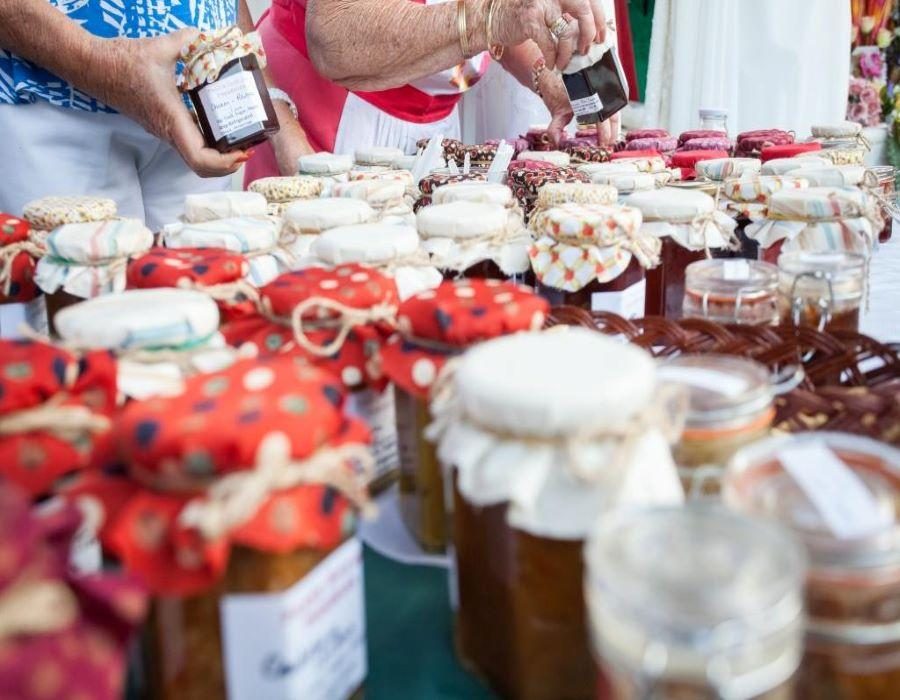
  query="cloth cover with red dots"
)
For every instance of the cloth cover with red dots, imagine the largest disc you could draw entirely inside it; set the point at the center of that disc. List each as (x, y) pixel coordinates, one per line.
(438, 324)
(36, 375)
(19, 266)
(175, 448)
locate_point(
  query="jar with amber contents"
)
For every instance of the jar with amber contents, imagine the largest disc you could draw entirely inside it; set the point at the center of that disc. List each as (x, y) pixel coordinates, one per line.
(235, 510)
(532, 426)
(695, 602)
(593, 256)
(435, 326)
(840, 494)
(732, 291)
(730, 404)
(886, 186)
(821, 290)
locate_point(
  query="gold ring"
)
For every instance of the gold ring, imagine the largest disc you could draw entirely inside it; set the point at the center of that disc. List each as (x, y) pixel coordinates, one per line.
(559, 27)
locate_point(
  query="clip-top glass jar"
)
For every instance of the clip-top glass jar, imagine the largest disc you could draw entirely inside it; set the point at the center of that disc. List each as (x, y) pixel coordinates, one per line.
(596, 84)
(732, 291)
(840, 494)
(886, 176)
(695, 603)
(714, 119)
(822, 290)
(223, 78)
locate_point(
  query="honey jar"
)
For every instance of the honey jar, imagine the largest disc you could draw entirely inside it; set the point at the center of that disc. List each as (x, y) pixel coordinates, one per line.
(821, 290)
(732, 291)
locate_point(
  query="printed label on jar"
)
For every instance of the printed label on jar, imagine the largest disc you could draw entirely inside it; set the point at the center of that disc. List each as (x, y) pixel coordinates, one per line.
(232, 104)
(306, 642)
(583, 106)
(629, 303)
(378, 411)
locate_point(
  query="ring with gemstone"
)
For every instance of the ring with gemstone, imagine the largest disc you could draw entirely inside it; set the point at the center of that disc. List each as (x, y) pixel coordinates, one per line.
(559, 27)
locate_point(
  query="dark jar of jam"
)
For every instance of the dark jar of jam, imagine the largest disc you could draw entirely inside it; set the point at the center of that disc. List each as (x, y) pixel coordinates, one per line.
(821, 290)
(489, 270)
(596, 85)
(625, 295)
(665, 282)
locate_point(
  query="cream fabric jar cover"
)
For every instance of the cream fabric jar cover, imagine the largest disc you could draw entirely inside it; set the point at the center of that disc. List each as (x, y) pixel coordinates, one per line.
(688, 217)
(212, 206)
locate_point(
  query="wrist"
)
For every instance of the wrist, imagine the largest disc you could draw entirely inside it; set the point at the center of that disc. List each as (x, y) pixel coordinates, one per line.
(476, 23)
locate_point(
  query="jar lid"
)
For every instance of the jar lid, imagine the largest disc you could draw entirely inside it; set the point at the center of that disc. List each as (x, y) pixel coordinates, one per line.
(366, 243)
(555, 193)
(557, 158)
(671, 204)
(614, 166)
(211, 206)
(371, 191)
(832, 175)
(140, 318)
(404, 162)
(377, 155)
(720, 169)
(242, 234)
(313, 216)
(838, 492)
(474, 191)
(170, 267)
(713, 113)
(819, 203)
(461, 220)
(808, 274)
(624, 182)
(690, 159)
(845, 129)
(285, 189)
(649, 162)
(782, 166)
(324, 164)
(48, 213)
(697, 595)
(633, 134)
(760, 188)
(13, 229)
(788, 150)
(98, 241)
(431, 182)
(601, 224)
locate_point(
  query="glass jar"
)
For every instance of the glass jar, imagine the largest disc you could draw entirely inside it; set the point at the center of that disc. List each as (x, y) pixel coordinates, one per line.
(821, 290)
(840, 494)
(695, 603)
(595, 83)
(625, 295)
(730, 404)
(665, 282)
(732, 291)
(714, 119)
(887, 186)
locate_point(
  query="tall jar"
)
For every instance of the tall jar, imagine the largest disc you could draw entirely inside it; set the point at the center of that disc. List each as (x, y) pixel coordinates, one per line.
(593, 256)
(732, 291)
(839, 494)
(695, 602)
(435, 326)
(886, 186)
(821, 290)
(546, 414)
(730, 403)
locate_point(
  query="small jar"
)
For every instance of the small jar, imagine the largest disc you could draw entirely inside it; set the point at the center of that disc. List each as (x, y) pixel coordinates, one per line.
(223, 78)
(213, 206)
(732, 291)
(696, 603)
(722, 169)
(730, 404)
(596, 84)
(714, 119)
(839, 493)
(887, 186)
(821, 290)
(751, 143)
(387, 197)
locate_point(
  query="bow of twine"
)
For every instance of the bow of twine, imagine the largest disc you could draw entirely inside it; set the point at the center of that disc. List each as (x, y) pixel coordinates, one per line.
(236, 498)
(10, 252)
(701, 223)
(345, 320)
(41, 606)
(205, 58)
(227, 292)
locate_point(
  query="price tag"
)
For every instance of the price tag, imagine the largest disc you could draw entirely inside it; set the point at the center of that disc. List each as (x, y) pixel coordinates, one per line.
(378, 411)
(736, 269)
(629, 303)
(592, 104)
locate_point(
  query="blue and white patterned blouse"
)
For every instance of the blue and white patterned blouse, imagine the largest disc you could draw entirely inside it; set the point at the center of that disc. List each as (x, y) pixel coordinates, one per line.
(23, 82)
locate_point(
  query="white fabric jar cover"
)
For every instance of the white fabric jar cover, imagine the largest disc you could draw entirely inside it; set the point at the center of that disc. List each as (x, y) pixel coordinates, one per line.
(689, 217)
(782, 166)
(387, 197)
(212, 206)
(749, 196)
(557, 158)
(327, 168)
(832, 175)
(474, 191)
(719, 169)
(377, 155)
(626, 182)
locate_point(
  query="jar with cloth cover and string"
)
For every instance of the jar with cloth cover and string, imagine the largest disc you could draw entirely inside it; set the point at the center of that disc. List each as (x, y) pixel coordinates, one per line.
(19, 254)
(327, 168)
(303, 221)
(281, 192)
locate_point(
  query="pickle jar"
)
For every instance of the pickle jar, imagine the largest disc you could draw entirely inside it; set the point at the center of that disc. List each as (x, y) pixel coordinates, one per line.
(821, 290)
(532, 428)
(839, 493)
(732, 291)
(695, 602)
(435, 326)
(730, 404)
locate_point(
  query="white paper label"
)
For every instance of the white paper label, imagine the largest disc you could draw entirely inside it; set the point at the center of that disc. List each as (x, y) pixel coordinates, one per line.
(306, 642)
(378, 411)
(583, 106)
(232, 104)
(840, 497)
(708, 379)
(629, 303)
(736, 269)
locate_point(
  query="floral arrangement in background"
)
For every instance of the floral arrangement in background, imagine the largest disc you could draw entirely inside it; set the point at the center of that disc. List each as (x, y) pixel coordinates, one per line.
(870, 22)
(871, 99)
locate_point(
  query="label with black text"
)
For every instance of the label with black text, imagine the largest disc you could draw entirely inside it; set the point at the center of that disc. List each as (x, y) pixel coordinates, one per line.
(232, 104)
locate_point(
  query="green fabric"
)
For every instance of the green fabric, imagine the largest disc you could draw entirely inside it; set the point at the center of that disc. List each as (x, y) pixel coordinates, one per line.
(641, 24)
(409, 629)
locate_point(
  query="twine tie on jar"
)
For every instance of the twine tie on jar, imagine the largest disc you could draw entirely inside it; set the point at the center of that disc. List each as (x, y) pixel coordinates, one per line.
(206, 56)
(33, 607)
(699, 226)
(68, 423)
(236, 498)
(228, 292)
(9, 253)
(347, 319)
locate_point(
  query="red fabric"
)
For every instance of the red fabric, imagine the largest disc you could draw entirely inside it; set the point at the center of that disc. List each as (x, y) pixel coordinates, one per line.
(635, 154)
(789, 150)
(689, 159)
(626, 48)
(751, 143)
(31, 375)
(701, 134)
(21, 270)
(654, 144)
(166, 267)
(710, 143)
(646, 134)
(13, 229)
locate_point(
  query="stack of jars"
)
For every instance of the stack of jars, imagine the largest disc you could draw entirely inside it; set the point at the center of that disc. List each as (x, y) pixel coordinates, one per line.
(304, 221)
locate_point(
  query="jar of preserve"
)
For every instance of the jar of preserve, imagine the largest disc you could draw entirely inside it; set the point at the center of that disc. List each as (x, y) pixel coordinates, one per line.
(525, 182)
(833, 175)
(555, 193)
(660, 144)
(883, 183)
(593, 256)
(568, 425)
(476, 239)
(784, 166)
(839, 494)
(689, 228)
(303, 221)
(695, 602)
(223, 79)
(19, 253)
(687, 160)
(730, 403)
(377, 156)
(732, 291)
(721, 169)
(650, 133)
(649, 162)
(555, 158)
(845, 154)
(434, 180)
(236, 510)
(386, 197)
(626, 183)
(328, 168)
(596, 84)
(750, 143)
(281, 192)
(714, 118)
(40, 383)
(821, 290)
(213, 206)
(695, 134)
(844, 131)
(433, 327)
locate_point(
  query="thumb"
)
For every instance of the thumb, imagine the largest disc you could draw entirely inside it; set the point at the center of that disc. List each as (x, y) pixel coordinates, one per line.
(170, 45)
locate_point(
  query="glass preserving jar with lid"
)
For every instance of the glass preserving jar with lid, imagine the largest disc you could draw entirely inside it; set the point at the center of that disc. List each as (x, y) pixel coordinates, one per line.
(714, 119)
(840, 494)
(543, 433)
(885, 177)
(729, 404)
(821, 290)
(695, 602)
(732, 291)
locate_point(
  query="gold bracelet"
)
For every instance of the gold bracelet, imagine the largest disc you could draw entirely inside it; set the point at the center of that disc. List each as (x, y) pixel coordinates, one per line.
(496, 50)
(461, 27)
(538, 68)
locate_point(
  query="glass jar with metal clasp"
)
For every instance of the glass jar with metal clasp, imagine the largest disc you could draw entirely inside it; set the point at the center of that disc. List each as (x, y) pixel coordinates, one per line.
(821, 290)
(732, 291)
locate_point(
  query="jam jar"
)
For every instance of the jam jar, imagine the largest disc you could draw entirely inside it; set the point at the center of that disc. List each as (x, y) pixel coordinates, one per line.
(436, 326)
(887, 189)
(694, 603)
(730, 404)
(840, 494)
(596, 84)
(821, 290)
(732, 291)
(548, 411)
(223, 78)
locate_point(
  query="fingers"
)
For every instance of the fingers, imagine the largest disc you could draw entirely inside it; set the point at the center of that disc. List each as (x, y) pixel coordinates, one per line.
(171, 44)
(615, 127)
(567, 44)
(561, 117)
(583, 12)
(206, 162)
(599, 20)
(544, 38)
(603, 133)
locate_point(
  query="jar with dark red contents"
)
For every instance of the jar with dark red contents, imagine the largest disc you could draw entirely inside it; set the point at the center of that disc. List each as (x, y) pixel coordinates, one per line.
(593, 256)
(732, 291)
(435, 326)
(223, 78)
(840, 494)
(694, 603)
(750, 143)
(821, 290)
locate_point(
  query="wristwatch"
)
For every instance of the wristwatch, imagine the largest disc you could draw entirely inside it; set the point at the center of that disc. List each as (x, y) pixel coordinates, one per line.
(282, 96)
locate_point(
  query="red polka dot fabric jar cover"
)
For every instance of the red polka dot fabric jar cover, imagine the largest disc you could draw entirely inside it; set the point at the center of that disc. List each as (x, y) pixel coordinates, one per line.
(439, 323)
(18, 254)
(55, 410)
(249, 456)
(63, 635)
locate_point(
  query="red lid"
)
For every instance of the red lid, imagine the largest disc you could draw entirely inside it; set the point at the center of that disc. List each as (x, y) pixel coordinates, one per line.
(165, 267)
(13, 229)
(701, 134)
(635, 154)
(789, 150)
(689, 159)
(646, 134)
